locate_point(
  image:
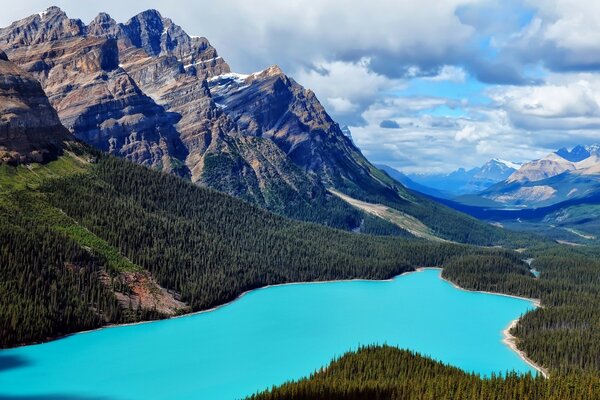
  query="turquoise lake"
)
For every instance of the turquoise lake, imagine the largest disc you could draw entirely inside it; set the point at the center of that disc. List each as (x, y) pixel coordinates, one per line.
(267, 337)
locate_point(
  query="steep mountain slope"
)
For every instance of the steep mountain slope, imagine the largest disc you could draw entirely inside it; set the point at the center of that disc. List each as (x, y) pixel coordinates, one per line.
(461, 181)
(137, 90)
(29, 127)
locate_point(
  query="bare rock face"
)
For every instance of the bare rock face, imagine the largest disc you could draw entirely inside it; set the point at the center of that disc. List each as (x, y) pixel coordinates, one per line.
(30, 130)
(51, 24)
(100, 103)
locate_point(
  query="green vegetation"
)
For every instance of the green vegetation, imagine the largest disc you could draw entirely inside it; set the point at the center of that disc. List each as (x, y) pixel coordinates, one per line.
(211, 247)
(70, 228)
(563, 335)
(207, 246)
(49, 286)
(377, 373)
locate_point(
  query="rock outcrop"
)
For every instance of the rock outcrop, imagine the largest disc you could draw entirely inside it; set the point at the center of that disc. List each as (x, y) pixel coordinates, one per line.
(30, 130)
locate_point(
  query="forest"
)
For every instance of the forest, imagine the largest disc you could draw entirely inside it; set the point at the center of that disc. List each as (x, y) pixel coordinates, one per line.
(386, 373)
(114, 216)
(70, 229)
(563, 336)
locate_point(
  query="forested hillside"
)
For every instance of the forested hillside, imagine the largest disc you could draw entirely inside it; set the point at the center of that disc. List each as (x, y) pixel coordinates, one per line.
(564, 334)
(116, 221)
(383, 373)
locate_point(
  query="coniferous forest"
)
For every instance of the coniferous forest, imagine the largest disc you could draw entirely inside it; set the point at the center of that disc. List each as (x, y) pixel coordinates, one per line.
(70, 230)
(79, 229)
(383, 373)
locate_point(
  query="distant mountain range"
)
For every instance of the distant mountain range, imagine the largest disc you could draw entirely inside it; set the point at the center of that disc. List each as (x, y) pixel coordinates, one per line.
(461, 181)
(560, 176)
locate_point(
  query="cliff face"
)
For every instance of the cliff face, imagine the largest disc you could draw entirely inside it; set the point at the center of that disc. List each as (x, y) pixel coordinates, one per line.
(147, 91)
(30, 130)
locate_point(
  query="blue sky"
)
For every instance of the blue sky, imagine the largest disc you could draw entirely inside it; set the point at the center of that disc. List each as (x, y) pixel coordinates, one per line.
(425, 85)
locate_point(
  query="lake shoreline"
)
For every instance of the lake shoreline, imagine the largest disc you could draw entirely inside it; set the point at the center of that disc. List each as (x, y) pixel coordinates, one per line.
(509, 340)
(189, 314)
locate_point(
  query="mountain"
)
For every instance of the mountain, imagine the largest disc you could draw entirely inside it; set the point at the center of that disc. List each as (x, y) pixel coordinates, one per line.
(139, 90)
(579, 152)
(550, 180)
(146, 91)
(124, 243)
(461, 181)
(30, 130)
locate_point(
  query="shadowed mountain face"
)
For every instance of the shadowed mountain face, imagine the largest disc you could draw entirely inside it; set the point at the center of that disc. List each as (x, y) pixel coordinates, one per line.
(30, 130)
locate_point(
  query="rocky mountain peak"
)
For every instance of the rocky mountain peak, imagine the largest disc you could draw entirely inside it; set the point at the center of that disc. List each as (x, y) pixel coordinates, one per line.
(104, 25)
(49, 25)
(273, 70)
(576, 154)
(145, 30)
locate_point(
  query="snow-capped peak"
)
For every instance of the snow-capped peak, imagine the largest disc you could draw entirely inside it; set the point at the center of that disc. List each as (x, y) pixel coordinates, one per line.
(238, 78)
(509, 164)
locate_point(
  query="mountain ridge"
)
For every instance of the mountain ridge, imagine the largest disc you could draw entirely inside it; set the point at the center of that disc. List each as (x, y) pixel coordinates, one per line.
(463, 181)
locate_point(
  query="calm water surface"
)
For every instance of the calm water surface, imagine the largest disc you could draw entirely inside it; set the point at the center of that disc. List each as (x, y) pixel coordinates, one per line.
(269, 336)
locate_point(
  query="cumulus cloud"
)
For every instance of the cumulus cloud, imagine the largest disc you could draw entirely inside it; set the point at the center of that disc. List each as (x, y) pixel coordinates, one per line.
(567, 102)
(345, 88)
(564, 35)
(395, 33)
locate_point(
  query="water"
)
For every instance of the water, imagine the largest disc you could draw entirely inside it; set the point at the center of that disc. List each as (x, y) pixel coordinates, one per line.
(267, 337)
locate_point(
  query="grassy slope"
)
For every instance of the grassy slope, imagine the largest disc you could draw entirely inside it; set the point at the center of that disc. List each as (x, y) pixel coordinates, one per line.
(20, 194)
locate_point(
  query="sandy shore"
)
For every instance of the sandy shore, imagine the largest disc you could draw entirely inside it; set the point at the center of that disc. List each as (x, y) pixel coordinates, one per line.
(511, 342)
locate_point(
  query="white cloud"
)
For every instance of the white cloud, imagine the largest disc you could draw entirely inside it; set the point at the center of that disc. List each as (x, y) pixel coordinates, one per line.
(357, 56)
(449, 73)
(567, 101)
(252, 35)
(345, 87)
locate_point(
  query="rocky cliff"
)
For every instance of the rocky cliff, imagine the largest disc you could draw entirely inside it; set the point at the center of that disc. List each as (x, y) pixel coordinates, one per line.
(30, 130)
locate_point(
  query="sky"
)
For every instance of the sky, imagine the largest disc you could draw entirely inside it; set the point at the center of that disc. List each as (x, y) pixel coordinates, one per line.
(426, 86)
